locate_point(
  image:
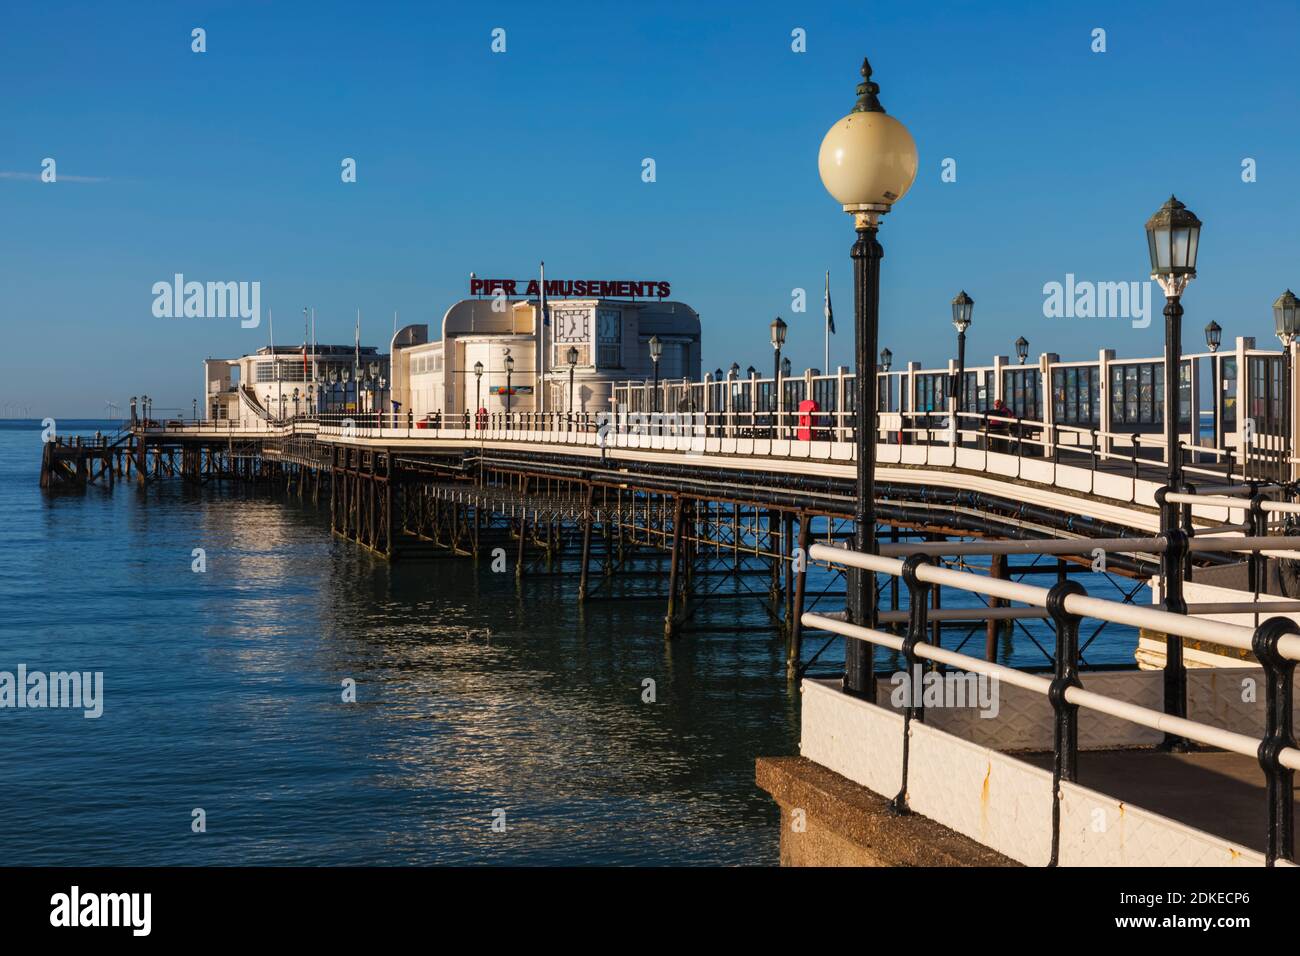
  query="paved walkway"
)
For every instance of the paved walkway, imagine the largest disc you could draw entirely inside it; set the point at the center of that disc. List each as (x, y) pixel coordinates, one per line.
(1215, 791)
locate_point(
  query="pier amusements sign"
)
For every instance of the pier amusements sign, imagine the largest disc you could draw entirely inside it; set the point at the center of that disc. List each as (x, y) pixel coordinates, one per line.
(573, 288)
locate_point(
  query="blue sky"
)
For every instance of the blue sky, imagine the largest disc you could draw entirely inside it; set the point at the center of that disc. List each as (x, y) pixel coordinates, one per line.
(225, 166)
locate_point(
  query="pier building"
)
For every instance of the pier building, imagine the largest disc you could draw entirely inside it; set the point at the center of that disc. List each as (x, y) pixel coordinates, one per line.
(290, 381)
(493, 354)
(498, 355)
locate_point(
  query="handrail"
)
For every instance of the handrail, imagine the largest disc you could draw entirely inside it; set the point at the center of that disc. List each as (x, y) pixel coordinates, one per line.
(1276, 642)
(1218, 632)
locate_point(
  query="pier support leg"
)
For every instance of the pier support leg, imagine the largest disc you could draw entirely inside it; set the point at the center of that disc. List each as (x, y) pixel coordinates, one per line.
(670, 619)
(998, 569)
(794, 646)
(587, 519)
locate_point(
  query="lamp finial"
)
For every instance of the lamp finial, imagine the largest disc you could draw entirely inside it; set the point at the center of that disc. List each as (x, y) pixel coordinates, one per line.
(867, 90)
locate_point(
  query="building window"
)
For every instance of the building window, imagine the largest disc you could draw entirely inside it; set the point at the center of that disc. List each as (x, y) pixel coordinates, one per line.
(609, 338)
(1076, 395)
(1022, 388)
(560, 354)
(1137, 394)
(974, 395)
(1228, 367)
(932, 392)
(1266, 393)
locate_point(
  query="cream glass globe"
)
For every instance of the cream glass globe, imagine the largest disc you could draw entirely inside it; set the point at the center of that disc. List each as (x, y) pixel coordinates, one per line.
(867, 159)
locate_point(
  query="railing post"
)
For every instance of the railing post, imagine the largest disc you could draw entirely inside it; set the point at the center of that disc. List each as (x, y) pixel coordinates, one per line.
(1279, 674)
(1171, 597)
(1256, 564)
(918, 600)
(1065, 732)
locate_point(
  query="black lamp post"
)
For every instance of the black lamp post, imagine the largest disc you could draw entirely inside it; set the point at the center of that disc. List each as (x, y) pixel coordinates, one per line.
(572, 356)
(510, 371)
(478, 390)
(1022, 349)
(886, 361)
(778, 330)
(867, 162)
(962, 307)
(1213, 337)
(295, 403)
(1173, 235)
(656, 353)
(195, 413)
(1286, 317)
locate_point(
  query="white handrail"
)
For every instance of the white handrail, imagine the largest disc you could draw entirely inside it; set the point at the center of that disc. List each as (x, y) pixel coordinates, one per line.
(1217, 632)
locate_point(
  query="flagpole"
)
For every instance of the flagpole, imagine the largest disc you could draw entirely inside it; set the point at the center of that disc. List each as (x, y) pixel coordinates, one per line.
(275, 362)
(540, 399)
(826, 370)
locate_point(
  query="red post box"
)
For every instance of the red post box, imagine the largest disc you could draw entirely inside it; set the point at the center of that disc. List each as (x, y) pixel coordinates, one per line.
(807, 420)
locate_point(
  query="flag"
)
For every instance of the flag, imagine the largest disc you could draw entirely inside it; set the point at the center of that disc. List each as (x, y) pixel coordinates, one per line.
(830, 315)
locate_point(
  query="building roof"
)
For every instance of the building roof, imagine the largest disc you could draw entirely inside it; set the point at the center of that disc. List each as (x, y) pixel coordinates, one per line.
(318, 350)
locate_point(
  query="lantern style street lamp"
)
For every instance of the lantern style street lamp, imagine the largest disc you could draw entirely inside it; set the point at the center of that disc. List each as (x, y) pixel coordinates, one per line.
(778, 330)
(867, 162)
(1022, 349)
(478, 392)
(572, 356)
(1286, 318)
(1173, 236)
(1213, 336)
(656, 353)
(962, 307)
(510, 372)
(886, 391)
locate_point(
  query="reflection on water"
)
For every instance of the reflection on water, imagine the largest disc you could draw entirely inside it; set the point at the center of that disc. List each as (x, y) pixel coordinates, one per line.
(475, 692)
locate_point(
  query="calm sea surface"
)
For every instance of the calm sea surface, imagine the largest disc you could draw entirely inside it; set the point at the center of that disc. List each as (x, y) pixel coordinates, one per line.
(476, 695)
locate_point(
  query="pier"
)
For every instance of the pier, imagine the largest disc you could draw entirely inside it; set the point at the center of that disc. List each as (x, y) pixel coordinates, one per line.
(740, 487)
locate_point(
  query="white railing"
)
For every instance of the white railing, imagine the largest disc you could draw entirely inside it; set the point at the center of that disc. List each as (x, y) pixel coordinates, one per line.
(1276, 642)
